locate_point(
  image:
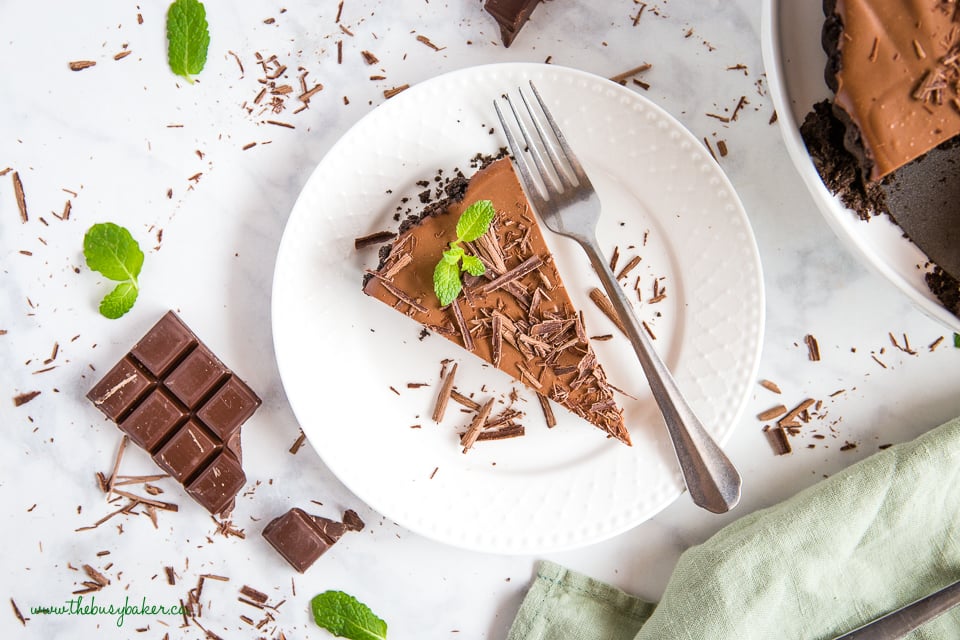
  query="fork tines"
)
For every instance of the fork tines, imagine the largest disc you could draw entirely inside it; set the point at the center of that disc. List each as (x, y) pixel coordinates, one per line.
(563, 171)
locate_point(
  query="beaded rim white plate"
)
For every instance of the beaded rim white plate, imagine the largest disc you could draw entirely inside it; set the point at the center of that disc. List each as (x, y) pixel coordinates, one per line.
(795, 60)
(346, 360)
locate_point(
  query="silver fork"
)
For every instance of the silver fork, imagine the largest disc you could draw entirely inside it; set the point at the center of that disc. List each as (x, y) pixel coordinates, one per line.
(569, 205)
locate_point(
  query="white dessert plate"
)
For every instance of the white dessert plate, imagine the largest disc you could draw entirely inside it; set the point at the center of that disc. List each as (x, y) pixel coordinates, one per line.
(346, 360)
(794, 60)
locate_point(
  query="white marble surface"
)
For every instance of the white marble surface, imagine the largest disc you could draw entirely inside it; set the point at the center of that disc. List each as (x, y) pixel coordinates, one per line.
(105, 134)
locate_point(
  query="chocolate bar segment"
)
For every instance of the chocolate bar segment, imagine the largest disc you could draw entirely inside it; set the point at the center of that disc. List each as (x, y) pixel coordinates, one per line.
(300, 538)
(511, 15)
(180, 403)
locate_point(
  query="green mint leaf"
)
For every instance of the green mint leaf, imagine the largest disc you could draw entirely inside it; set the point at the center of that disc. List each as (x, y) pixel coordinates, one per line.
(187, 38)
(956, 340)
(453, 255)
(346, 617)
(446, 281)
(119, 301)
(475, 221)
(111, 250)
(473, 265)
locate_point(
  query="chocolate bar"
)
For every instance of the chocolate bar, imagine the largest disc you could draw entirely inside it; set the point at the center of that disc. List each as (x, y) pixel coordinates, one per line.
(302, 538)
(176, 400)
(511, 15)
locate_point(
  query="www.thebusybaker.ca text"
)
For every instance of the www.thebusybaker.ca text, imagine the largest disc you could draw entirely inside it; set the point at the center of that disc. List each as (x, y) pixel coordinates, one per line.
(77, 607)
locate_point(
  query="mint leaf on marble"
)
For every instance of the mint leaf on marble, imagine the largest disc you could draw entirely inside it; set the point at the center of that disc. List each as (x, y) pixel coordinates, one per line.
(473, 223)
(188, 38)
(956, 340)
(110, 250)
(346, 617)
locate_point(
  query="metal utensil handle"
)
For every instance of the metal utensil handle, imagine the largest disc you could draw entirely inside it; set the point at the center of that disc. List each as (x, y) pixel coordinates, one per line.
(904, 620)
(711, 478)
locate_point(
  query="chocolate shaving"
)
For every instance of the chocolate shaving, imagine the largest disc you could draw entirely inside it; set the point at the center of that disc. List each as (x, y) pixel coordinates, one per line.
(171, 576)
(630, 266)
(511, 430)
(369, 58)
(443, 398)
(79, 65)
(24, 398)
(473, 431)
(621, 78)
(18, 193)
(496, 339)
(459, 398)
(771, 413)
(253, 594)
(603, 303)
(389, 93)
(813, 348)
(791, 419)
(400, 295)
(777, 437)
(462, 325)
(770, 386)
(522, 269)
(425, 40)
(16, 612)
(373, 238)
(295, 447)
(547, 410)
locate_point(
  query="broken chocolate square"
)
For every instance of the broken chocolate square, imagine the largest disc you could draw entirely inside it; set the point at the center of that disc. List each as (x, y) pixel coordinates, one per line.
(511, 15)
(176, 400)
(302, 538)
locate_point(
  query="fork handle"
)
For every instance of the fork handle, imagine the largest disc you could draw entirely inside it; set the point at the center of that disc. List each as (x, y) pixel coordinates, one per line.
(711, 478)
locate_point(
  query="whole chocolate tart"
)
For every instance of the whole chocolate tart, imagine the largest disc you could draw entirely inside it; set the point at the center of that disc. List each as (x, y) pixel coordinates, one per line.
(889, 140)
(517, 315)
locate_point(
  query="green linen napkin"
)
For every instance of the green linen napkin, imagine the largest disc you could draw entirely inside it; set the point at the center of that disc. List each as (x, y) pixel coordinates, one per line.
(868, 540)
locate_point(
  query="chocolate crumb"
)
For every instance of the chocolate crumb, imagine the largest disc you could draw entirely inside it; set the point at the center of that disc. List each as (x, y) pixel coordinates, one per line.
(79, 65)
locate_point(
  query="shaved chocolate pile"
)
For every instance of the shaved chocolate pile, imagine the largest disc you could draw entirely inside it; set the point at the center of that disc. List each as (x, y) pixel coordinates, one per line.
(511, 15)
(176, 400)
(301, 538)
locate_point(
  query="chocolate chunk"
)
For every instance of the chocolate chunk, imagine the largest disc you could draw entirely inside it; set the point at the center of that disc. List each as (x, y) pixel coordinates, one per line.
(352, 520)
(302, 538)
(176, 400)
(511, 15)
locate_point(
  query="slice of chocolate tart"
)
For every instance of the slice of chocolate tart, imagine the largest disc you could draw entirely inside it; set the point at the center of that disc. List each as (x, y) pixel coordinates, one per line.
(517, 315)
(894, 66)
